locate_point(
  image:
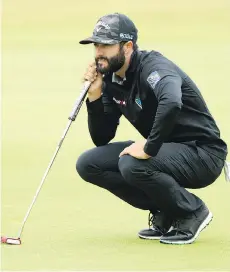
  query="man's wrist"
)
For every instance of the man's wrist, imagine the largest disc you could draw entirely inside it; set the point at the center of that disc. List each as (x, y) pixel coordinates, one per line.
(93, 97)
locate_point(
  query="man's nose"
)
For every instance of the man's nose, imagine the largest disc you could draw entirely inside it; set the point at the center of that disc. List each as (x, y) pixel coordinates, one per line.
(99, 51)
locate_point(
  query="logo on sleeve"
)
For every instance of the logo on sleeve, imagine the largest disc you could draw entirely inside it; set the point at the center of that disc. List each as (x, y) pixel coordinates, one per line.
(153, 79)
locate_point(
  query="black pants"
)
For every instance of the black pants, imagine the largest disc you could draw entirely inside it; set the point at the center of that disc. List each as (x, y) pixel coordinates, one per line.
(154, 184)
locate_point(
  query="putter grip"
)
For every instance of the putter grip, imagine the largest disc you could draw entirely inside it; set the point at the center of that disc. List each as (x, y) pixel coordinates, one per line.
(79, 101)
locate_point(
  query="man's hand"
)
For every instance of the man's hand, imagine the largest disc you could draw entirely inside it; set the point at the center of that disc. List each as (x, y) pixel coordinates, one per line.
(136, 150)
(95, 78)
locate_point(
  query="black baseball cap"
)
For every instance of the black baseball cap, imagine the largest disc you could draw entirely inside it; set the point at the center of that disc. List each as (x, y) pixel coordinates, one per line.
(111, 29)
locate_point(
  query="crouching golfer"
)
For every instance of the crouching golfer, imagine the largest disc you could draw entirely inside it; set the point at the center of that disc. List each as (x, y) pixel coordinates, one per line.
(181, 149)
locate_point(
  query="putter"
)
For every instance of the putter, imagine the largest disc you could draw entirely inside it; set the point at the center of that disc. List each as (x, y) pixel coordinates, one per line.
(72, 117)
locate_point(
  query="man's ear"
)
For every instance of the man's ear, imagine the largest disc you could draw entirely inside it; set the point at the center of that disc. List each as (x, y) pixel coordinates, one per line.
(128, 47)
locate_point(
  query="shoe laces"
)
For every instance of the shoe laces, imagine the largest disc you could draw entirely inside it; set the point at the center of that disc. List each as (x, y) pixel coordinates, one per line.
(182, 223)
(151, 219)
(176, 223)
(181, 226)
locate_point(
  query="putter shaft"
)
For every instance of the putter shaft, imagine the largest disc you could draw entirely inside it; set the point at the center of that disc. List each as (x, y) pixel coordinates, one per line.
(72, 118)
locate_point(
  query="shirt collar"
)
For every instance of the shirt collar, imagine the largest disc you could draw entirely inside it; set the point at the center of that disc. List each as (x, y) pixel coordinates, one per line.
(133, 62)
(117, 79)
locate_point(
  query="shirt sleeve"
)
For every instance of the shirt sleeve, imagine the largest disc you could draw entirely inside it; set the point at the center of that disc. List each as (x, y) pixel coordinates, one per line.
(166, 87)
(103, 119)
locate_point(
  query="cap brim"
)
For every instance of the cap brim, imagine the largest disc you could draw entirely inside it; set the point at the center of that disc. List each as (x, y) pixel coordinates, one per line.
(98, 40)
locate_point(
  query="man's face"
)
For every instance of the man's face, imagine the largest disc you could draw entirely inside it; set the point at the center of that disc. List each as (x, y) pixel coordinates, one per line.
(109, 58)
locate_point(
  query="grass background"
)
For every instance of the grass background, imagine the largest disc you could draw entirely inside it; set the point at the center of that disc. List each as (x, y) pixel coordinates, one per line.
(74, 225)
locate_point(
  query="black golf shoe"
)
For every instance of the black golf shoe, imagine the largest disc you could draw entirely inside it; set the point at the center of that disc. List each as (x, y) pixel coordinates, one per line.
(186, 230)
(158, 225)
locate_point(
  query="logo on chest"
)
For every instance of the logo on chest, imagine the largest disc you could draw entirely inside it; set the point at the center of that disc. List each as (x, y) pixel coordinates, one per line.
(138, 102)
(119, 102)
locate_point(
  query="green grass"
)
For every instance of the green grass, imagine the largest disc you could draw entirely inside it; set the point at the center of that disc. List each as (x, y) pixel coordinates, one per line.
(74, 225)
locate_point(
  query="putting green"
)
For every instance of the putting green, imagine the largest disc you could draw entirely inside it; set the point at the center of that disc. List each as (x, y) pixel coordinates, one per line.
(74, 225)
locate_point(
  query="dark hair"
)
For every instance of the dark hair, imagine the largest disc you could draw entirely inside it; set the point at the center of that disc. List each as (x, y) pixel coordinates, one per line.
(135, 46)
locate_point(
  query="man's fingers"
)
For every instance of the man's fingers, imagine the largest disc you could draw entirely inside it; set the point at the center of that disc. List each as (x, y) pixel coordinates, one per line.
(124, 152)
(92, 64)
(90, 76)
(91, 72)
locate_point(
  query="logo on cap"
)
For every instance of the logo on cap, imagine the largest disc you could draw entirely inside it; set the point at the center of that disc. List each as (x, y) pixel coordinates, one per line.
(126, 36)
(100, 24)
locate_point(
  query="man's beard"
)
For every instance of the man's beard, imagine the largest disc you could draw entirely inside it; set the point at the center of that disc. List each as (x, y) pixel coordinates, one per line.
(114, 63)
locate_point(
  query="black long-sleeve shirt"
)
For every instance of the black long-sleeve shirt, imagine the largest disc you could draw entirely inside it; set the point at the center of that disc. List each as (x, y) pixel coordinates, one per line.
(160, 101)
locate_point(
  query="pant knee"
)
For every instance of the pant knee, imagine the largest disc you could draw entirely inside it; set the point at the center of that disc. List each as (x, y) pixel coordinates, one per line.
(85, 166)
(129, 169)
(137, 172)
(81, 166)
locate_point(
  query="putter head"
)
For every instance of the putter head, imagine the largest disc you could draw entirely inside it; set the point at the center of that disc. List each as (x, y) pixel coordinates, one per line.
(10, 241)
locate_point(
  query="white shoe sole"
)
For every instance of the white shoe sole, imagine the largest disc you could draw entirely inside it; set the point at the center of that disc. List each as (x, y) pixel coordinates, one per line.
(205, 223)
(149, 237)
